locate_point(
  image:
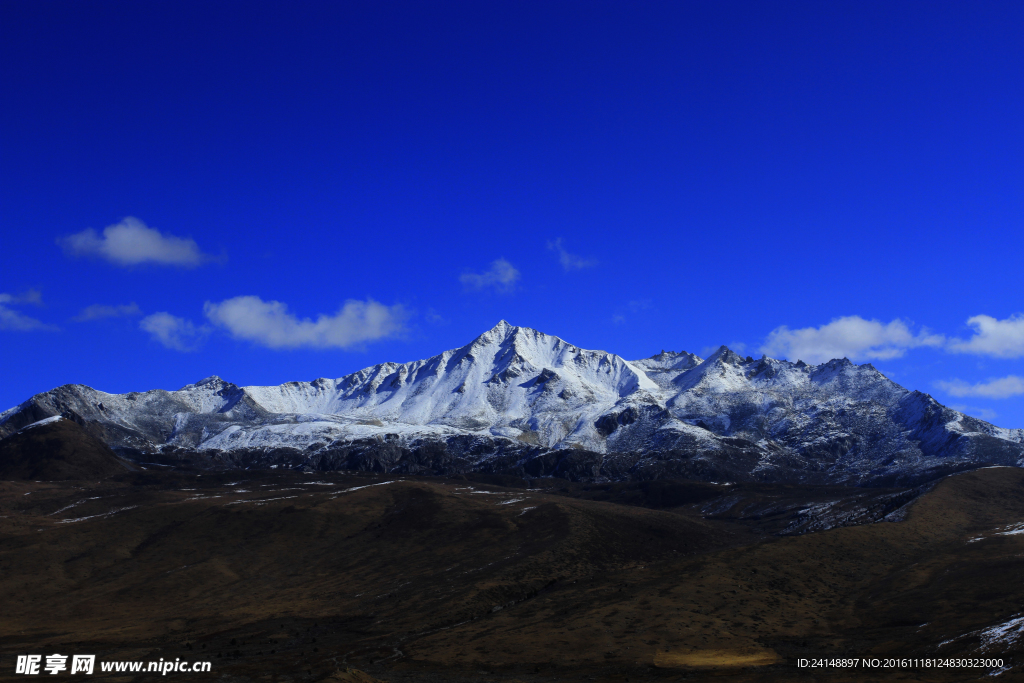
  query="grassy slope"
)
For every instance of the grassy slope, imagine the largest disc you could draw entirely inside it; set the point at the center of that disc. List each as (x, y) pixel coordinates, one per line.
(430, 580)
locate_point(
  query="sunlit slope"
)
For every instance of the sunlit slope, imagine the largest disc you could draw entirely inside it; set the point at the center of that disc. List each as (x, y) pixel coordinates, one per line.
(514, 394)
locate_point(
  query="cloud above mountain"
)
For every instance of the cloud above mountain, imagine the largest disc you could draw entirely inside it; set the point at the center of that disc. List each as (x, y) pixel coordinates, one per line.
(986, 414)
(993, 337)
(1002, 387)
(173, 332)
(569, 261)
(859, 339)
(131, 243)
(502, 275)
(850, 337)
(271, 324)
(12, 319)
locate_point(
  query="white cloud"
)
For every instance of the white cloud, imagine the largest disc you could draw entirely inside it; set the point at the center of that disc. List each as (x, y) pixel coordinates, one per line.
(1002, 387)
(269, 323)
(992, 337)
(98, 311)
(11, 319)
(502, 275)
(570, 261)
(130, 243)
(173, 332)
(849, 337)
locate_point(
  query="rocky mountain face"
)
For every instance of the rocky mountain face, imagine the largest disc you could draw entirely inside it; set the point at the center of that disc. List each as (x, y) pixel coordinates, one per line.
(517, 401)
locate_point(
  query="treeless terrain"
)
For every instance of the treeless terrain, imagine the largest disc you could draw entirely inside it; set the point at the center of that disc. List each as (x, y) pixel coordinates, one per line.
(59, 450)
(354, 577)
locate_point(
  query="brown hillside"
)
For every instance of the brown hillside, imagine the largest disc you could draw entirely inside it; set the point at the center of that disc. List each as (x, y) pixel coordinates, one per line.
(58, 450)
(299, 577)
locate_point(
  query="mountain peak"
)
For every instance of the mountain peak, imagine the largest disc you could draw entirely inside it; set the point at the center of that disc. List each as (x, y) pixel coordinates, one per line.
(499, 331)
(726, 355)
(504, 331)
(212, 380)
(517, 388)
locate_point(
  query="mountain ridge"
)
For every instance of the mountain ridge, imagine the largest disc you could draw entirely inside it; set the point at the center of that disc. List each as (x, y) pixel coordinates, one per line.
(514, 394)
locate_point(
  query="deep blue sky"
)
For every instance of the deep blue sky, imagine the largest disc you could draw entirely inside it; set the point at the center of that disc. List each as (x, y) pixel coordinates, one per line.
(714, 171)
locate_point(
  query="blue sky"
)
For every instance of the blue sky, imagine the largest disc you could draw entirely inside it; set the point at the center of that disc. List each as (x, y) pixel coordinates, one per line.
(283, 191)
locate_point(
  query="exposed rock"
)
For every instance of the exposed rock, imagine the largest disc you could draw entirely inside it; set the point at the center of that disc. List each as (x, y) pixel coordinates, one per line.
(514, 395)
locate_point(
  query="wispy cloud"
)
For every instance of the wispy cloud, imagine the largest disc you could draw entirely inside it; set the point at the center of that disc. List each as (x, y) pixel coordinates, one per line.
(502, 275)
(1001, 387)
(848, 337)
(32, 296)
(99, 311)
(569, 261)
(635, 306)
(173, 332)
(269, 323)
(435, 318)
(983, 413)
(993, 337)
(131, 242)
(11, 319)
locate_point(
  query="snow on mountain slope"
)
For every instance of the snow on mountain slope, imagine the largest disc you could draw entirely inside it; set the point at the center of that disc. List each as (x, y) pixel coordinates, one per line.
(517, 391)
(510, 382)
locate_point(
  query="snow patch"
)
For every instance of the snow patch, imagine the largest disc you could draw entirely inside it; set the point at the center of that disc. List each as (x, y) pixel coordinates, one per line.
(40, 423)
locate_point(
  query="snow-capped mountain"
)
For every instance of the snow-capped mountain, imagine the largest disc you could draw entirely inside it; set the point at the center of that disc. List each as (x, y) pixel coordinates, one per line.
(517, 400)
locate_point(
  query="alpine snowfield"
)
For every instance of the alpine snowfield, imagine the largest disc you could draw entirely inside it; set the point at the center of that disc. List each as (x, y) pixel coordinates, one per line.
(515, 399)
